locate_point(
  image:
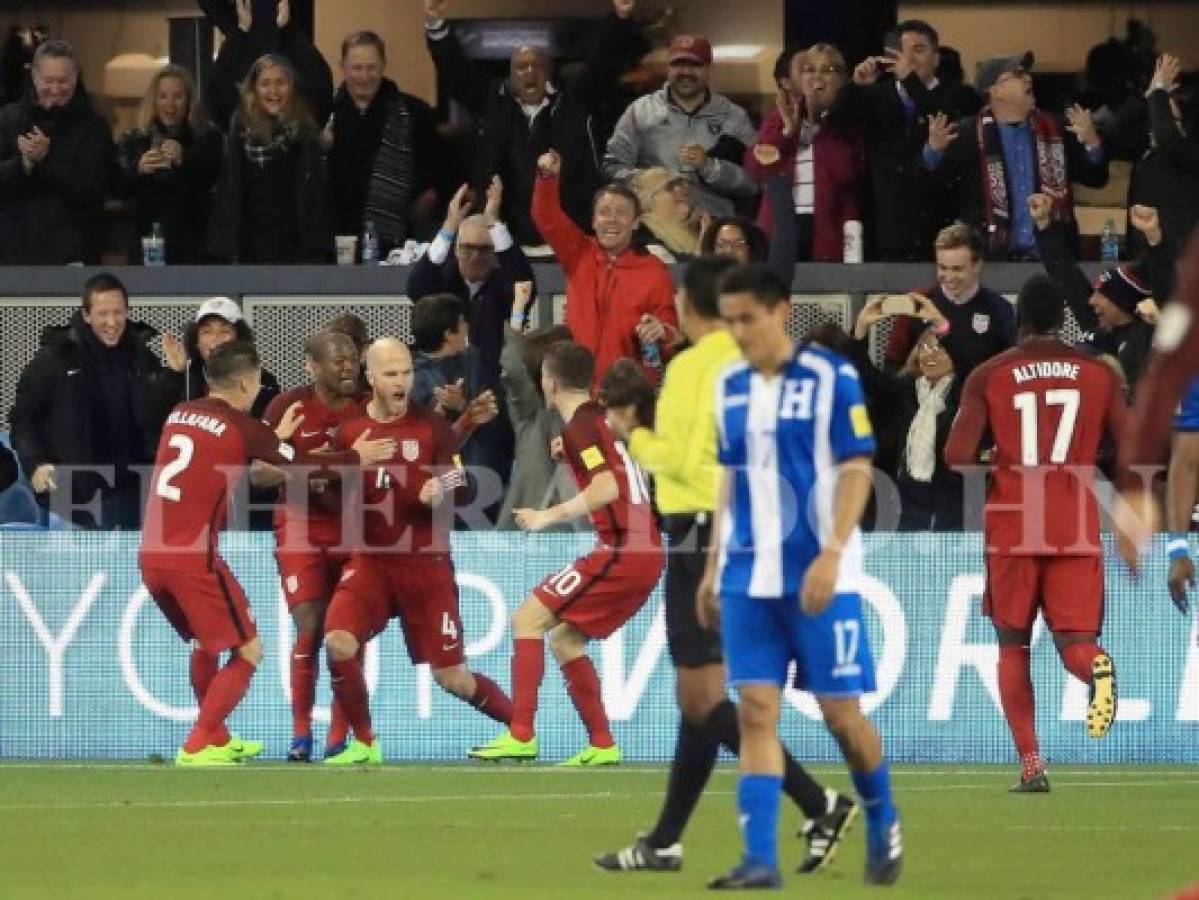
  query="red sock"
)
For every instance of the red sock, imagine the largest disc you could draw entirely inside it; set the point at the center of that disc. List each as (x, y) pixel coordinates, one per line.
(349, 686)
(528, 667)
(490, 700)
(203, 669)
(1078, 658)
(303, 683)
(1015, 692)
(583, 685)
(339, 725)
(227, 688)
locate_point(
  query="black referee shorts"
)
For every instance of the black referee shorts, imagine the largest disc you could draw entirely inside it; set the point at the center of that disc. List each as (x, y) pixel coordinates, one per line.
(687, 540)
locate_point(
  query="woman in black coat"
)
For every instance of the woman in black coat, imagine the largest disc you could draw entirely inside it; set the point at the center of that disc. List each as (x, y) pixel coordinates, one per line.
(916, 407)
(271, 205)
(169, 164)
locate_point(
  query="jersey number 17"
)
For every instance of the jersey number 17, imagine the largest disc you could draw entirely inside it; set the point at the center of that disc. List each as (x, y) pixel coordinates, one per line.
(1026, 403)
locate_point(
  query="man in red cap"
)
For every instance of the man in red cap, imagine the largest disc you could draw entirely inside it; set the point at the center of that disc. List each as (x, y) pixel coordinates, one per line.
(686, 128)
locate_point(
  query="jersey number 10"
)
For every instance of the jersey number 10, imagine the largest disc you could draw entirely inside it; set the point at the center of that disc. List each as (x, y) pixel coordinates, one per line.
(1030, 440)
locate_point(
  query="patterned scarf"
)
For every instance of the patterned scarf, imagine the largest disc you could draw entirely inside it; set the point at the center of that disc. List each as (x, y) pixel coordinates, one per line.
(280, 144)
(920, 453)
(1052, 176)
(393, 178)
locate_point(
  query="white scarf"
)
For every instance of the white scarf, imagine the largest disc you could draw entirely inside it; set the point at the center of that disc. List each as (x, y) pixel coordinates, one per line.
(921, 451)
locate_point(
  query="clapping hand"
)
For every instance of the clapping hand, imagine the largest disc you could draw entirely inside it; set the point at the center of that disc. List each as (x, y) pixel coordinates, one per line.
(458, 209)
(941, 132)
(482, 409)
(450, 396)
(172, 152)
(1080, 124)
(1040, 207)
(245, 14)
(495, 196)
(787, 103)
(1165, 74)
(150, 162)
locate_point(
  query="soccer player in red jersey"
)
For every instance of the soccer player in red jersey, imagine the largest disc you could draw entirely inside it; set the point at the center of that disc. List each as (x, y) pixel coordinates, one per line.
(595, 595)
(1048, 406)
(309, 550)
(204, 450)
(401, 563)
(1174, 365)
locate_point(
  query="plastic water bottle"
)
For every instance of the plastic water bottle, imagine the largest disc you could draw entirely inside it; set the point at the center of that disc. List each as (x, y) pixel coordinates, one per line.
(1109, 243)
(154, 247)
(370, 244)
(651, 355)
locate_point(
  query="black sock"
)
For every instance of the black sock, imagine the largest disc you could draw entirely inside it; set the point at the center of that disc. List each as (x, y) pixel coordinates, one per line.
(797, 783)
(694, 756)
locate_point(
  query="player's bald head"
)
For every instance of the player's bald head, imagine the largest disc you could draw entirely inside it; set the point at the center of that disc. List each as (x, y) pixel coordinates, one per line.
(387, 352)
(326, 344)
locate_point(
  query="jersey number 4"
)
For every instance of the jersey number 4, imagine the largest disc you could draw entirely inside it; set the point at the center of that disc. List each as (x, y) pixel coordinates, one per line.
(1030, 440)
(163, 487)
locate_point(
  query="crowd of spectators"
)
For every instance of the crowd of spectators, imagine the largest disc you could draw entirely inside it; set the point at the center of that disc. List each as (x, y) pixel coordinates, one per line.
(896, 150)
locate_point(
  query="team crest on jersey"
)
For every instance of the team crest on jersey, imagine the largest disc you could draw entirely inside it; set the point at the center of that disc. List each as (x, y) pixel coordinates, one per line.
(410, 450)
(981, 322)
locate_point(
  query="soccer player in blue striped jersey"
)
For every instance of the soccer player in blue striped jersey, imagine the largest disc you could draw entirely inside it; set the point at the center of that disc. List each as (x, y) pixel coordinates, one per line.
(796, 445)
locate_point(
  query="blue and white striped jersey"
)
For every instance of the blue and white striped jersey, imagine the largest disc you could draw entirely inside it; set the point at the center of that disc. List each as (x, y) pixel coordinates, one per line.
(781, 439)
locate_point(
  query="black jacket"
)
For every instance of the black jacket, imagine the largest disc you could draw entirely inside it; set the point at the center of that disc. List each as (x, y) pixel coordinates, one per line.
(63, 414)
(178, 198)
(1131, 344)
(54, 214)
(274, 215)
(1167, 177)
(960, 172)
(241, 50)
(906, 209)
(352, 159)
(190, 385)
(509, 144)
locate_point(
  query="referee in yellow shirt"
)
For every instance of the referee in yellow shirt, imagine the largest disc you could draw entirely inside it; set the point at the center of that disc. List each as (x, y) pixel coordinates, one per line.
(680, 452)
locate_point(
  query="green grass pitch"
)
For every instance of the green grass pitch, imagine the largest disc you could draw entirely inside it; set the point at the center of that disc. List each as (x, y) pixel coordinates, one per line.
(271, 831)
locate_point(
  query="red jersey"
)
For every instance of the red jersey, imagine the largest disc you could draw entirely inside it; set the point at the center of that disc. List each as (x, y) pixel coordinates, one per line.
(1047, 406)
(589, 447)
(316, 432)
(393, 518)
(202, 454)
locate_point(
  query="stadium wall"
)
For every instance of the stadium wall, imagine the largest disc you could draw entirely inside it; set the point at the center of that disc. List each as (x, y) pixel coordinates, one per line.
(89, 669)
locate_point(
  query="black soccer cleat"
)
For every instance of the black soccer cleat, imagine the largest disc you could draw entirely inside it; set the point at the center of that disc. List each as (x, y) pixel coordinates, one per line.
(1036, 784)
(884, 861)
(824, 834)
(300, 750)
(641, 857)
(755, 877)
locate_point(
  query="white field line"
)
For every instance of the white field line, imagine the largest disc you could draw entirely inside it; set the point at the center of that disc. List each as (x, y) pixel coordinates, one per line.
(495, 798)
(1115, 770)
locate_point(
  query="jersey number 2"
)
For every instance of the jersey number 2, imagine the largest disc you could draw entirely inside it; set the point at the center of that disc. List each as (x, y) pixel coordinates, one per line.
(1026, 404)
(187, 448)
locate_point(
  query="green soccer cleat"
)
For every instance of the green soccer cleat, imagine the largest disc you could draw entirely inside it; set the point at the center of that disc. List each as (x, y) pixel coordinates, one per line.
(506, 747)
(243, 749)
(593, 756)
(357, 753)
(210, 756)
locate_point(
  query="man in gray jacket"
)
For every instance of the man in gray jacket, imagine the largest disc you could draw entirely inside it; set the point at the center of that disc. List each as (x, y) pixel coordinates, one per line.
(686, 128)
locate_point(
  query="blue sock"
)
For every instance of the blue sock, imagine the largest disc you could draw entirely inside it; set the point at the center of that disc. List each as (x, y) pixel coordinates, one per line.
(758, 802)
(875, 790)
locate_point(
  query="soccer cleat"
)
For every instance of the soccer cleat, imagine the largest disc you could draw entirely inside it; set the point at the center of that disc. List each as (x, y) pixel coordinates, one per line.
(506, 747)
(593, 756)
(641, 857)
(1037, 783)
(884, 855)
(824, 834)
(357, 753)
(243, 749)
(747, 877)
(336, 749)
(1101, 710)
(212, 755)
(300, 750)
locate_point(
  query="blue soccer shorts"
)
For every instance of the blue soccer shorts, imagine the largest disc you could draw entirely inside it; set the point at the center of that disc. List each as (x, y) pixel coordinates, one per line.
(831, 650)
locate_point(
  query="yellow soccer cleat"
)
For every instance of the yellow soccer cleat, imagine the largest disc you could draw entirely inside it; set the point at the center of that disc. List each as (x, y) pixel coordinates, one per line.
(594, 756)
(1101, 710)
(210, 756)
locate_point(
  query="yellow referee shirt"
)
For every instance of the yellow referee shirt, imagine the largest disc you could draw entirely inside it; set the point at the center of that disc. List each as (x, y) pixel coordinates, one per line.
(681, 452)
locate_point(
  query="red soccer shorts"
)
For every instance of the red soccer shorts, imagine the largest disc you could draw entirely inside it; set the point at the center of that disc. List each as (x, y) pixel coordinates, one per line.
(209, 607)
(309, 577)
(602, 590)
(422, 595)
(1067, 589)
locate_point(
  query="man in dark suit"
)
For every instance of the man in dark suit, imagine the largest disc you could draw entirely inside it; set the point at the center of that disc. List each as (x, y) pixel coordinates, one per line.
(1023, 151)
(893, 109)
